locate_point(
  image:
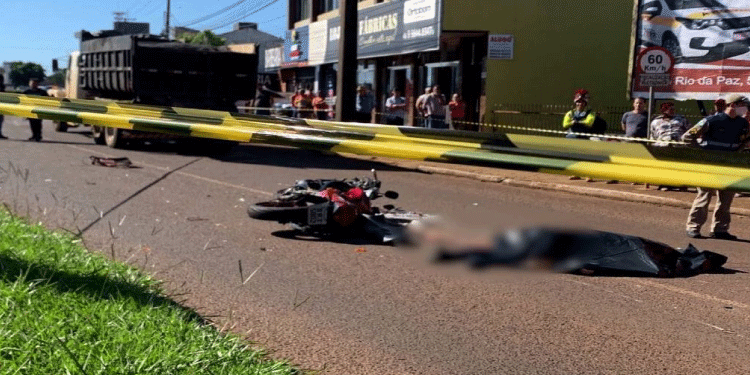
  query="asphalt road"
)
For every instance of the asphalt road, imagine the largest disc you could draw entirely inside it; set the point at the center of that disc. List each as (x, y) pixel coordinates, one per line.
(348, 308)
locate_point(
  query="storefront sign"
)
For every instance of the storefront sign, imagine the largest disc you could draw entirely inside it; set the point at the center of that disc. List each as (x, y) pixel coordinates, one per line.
(708, 44)
(419, 10)
(296, 47)
(500, 47)
(273, 57)
(393, 28)
(317, 44)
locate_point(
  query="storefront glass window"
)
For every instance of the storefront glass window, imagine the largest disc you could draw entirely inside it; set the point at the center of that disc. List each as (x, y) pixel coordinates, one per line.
(366, 74)
(302, 10)
(328, 5)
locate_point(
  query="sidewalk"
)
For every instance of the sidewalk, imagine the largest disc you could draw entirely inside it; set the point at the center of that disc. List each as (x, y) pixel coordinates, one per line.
(624, 191)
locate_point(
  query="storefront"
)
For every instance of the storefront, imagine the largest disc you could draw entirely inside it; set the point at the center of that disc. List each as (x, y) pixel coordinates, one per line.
(398, 47)
(493, 53)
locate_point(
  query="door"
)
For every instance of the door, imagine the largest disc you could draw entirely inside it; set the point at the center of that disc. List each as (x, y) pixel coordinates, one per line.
(400, 78)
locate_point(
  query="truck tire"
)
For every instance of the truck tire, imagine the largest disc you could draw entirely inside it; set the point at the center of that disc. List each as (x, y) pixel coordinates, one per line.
(61, 126)
(97, 133)
(113, 137)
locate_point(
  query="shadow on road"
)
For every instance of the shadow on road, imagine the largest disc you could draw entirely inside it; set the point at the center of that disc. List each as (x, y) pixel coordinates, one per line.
(291, 234)
(253, 154)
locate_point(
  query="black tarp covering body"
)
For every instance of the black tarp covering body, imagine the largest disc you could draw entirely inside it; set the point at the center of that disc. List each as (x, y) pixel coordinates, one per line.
(589, 252)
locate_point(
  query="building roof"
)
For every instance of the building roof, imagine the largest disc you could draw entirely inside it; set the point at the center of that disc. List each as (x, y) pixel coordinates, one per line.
(250, 35)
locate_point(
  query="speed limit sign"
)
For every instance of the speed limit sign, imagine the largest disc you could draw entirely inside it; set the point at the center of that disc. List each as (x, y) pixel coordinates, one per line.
(655, 60)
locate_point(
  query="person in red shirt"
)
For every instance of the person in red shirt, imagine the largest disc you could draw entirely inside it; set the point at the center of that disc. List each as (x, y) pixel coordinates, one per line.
(458, 110)
(320, 106)
(296, 98)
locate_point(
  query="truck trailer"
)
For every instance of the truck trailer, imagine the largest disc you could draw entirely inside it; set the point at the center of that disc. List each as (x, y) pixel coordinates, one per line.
(152, 70)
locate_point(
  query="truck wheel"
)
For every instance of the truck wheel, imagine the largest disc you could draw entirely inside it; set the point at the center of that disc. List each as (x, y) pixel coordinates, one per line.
(113, 137)
(61, 126)
(97, 133)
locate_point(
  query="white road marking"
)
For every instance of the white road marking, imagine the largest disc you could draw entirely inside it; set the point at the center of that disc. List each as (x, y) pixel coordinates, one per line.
(703, 296)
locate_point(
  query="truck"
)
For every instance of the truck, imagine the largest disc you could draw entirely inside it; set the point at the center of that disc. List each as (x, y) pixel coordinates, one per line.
(153, 70)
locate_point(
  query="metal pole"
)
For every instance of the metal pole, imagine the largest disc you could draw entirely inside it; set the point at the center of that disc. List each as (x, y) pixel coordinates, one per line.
(650, 108)
(346, 74)
(167, 21)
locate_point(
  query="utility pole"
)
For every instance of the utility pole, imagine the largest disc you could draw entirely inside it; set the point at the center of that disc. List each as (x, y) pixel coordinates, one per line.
(346, 80)
(167, 20)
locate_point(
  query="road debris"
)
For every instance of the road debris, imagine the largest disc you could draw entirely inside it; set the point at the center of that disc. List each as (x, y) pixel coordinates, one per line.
(112, 162)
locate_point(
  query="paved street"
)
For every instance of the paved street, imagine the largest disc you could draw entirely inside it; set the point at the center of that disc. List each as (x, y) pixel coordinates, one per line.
(351, 309)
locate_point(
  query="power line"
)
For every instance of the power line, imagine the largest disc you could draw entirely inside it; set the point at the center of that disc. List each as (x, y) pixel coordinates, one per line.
(246, 15)
(145, 6)
(214, 14)
(273, 19)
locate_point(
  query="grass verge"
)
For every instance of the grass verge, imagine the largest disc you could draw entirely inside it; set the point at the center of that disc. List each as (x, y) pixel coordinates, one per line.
(64, 310)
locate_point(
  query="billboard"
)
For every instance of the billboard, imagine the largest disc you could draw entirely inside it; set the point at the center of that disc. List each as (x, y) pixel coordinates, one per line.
(708, 40)
(393, 28)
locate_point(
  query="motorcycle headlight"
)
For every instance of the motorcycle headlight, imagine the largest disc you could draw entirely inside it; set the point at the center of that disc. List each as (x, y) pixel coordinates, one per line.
(703, 24)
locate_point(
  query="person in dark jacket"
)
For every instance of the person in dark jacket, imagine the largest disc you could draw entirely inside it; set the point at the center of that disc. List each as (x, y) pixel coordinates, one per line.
(35, 124)
(727, 131)
(263, 102)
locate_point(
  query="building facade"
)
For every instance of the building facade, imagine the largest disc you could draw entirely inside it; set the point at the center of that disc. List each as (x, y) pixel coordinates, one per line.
(492, 53)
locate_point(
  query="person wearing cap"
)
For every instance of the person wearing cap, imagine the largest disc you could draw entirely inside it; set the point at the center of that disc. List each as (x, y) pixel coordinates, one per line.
(668, 127)
(35, 124)
(726, 131)
(635, 123)
(579, 119)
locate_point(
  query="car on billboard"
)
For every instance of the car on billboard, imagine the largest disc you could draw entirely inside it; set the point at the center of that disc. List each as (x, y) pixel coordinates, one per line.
(697, 31)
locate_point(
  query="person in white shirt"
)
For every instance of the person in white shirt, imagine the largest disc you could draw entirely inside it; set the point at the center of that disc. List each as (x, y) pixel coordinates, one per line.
(395, 106)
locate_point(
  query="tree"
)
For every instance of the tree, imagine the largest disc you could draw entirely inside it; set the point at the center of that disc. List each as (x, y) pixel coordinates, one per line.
(205, 37)
(21, 73)
(58, 78)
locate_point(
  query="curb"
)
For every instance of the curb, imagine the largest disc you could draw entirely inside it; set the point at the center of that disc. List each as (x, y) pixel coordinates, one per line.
(593, 192)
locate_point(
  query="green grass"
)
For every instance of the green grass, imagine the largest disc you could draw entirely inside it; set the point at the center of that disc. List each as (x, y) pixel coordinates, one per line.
(64, 310)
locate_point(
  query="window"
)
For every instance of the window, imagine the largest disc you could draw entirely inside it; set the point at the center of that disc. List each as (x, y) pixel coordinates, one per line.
(328, 5)
(301, 10)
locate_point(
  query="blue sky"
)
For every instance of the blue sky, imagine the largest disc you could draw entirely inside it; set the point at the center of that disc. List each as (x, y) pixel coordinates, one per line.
(41, 30)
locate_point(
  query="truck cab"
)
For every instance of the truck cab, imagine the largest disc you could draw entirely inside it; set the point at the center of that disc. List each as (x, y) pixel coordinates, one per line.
(697, 31)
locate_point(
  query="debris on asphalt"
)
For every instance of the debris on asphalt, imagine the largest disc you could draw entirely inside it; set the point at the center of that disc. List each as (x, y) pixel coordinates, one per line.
(112, 162)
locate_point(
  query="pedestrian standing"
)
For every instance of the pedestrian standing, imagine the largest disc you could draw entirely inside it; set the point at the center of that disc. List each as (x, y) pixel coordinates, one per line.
(320, 106)
(35, 124)
(419, 106)
(2, 118)
(263, 102)
(364, 105)
(296, 102)
(458, 111)
(635, 123)
(668, 127)
(435, 109)
(726, 131)
(719, 106)
(581, 118)
(395, 105)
